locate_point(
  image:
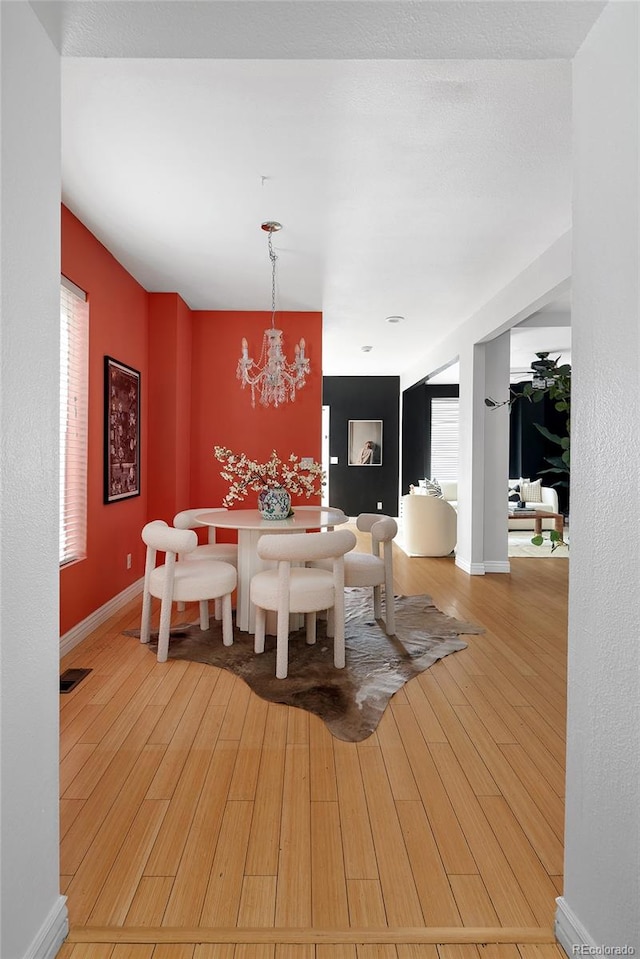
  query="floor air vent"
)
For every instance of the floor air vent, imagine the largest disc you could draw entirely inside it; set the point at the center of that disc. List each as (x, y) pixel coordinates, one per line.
(70, 679)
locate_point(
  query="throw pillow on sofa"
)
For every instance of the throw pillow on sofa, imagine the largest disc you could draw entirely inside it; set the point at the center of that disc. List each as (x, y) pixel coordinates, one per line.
(515, 493)
(433, 488)
(531, 492)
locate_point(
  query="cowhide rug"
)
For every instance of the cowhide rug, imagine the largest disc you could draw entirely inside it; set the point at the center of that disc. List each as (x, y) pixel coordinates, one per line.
(352, 700)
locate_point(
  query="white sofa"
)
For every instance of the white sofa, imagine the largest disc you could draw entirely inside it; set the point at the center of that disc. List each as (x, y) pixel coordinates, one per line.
(549, 504)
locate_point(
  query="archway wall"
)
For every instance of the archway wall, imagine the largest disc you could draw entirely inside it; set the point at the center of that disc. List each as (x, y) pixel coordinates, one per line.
(602, 842)
(33, 917)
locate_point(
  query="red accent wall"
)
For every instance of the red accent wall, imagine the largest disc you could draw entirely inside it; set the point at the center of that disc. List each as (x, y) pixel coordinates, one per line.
(169, 421)
(191, 401)
(118, 328)
(222, 414)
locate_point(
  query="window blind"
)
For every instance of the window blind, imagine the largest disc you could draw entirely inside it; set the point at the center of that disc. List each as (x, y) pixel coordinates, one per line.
(444, 437)
(74, 378)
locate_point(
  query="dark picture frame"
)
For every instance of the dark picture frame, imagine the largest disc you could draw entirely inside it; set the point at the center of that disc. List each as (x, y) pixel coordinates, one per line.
(365, 443)
(121, 431)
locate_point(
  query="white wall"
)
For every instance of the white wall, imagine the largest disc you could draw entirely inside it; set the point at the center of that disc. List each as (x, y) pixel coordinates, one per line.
(33, 914)
(601, 893)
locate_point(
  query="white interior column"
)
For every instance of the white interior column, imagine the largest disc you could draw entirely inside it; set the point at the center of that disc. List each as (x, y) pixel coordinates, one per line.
(496, 454)
(483, 458)
(470, 547)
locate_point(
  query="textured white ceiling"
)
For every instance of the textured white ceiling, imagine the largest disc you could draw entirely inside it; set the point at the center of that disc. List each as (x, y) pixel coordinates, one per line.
(412, 186)
(320, 29)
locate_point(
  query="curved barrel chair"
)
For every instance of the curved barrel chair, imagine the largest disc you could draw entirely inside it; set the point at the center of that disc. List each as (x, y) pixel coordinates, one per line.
(429, 525)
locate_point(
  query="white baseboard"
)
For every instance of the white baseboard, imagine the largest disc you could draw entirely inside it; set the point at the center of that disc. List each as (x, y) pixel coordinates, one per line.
(497, 566)
(473, 569)
(568, 929)
(52, 934)
(99, 616)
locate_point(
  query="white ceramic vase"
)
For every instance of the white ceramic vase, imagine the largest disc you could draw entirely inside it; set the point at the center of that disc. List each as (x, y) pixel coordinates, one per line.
(274, 503)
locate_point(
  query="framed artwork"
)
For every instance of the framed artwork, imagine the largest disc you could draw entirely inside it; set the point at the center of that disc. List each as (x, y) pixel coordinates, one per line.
(121, 431)
(365, 442)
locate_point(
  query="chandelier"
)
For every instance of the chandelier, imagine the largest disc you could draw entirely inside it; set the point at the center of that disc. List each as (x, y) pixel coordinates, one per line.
(272, 377)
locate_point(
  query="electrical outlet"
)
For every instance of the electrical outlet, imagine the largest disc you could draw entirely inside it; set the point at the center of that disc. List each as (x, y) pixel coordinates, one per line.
(379, 505)
(128, 560)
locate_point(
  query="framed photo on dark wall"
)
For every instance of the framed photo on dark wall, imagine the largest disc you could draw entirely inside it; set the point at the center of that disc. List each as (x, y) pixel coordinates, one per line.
(365, 442)
(121, 431)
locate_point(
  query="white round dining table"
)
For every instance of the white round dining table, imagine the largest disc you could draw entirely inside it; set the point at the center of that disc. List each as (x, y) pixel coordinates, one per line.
(251, 525)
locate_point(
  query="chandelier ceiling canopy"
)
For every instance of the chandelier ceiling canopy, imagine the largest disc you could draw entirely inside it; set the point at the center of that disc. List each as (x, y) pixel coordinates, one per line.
(273, 377)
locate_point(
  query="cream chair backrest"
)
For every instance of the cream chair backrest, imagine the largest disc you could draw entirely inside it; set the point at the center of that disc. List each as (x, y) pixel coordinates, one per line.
(303, 547)
(383, 529)
(158, 535)
(188, 519)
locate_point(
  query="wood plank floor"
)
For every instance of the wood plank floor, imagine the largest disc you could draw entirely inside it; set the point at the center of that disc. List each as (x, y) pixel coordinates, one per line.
(198, 821)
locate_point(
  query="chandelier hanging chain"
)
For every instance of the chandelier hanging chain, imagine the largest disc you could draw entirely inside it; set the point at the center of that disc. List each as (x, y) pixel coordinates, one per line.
(273, 258)
(273, 376)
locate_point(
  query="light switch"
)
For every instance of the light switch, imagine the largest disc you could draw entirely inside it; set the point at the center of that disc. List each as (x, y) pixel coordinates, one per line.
(333, 460)
(306, 462)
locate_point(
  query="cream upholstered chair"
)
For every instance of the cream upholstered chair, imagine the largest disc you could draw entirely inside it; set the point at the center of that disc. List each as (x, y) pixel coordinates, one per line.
(224, 552)
(301, 589)
(188, 582)
(372, 569)
(429, 525)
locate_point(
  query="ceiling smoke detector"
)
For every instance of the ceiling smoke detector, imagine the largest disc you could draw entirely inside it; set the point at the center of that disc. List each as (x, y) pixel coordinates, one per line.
(366, 349)
(394, 319)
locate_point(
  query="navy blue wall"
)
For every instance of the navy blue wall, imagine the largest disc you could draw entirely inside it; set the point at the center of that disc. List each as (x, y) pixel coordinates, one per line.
(527, 447)
(416, 431)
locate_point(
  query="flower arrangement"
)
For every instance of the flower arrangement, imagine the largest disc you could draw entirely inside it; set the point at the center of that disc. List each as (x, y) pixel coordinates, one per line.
(245, 474)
